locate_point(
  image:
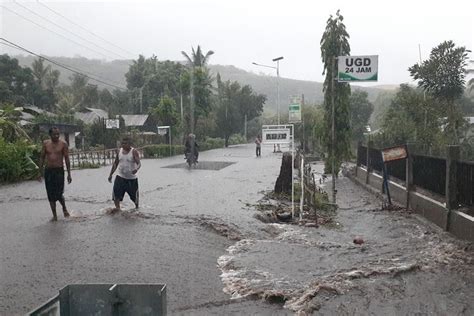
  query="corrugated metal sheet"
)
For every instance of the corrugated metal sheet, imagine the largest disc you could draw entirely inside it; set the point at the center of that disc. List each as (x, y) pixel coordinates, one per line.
(135, 120)
(91, 115)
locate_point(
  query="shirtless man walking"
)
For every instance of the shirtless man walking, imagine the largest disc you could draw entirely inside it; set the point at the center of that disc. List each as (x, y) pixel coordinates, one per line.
(54, 152)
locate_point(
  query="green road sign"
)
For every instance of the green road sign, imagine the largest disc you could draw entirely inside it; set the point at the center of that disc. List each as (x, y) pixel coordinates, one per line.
(357, 68)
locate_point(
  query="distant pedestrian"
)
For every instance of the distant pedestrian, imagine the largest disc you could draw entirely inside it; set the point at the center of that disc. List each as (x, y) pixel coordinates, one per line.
(54, 152)
(127, 161)
(258, 144)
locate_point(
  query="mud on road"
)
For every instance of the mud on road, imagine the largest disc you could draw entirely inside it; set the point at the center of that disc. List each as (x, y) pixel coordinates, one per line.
(403, 266)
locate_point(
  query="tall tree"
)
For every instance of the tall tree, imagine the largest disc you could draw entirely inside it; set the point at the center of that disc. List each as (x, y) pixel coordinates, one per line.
(200, 86)
(361, 110)
(40, 71)
(412, 117)
(17, 83)
(235, 103)
(335, 42)
(197, 58)
(167, 114)
(443, 76)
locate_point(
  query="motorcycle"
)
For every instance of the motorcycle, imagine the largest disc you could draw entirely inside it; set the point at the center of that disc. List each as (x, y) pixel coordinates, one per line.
(190, 159)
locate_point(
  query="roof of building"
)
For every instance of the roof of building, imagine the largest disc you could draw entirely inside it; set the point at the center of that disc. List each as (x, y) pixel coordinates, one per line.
(135, 120)
(34, 110)
(90, 115)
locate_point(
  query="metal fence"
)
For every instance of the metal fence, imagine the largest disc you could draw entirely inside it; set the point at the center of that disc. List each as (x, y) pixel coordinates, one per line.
(465, 183)
(397, 169)
(376, 162)
(430, 173)
(81, 159)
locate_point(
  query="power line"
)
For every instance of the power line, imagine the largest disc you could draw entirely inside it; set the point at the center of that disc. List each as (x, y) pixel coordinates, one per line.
(62, 28)
(60, 35)
(10, 44)
(83, 28)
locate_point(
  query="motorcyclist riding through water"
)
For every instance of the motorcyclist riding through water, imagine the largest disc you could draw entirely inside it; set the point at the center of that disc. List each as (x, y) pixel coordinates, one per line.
(191, 146)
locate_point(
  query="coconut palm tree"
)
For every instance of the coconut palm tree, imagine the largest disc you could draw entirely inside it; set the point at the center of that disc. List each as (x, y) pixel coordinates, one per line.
(40, 71)
(197, 58)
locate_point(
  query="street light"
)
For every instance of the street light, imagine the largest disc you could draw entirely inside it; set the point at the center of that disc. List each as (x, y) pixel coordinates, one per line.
(278, 81)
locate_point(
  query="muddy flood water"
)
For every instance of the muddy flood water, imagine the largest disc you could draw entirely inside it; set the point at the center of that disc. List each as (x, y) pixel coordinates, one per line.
(197, 231)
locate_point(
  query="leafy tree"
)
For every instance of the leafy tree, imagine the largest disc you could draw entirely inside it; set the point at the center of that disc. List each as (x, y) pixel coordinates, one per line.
(335, 42)
(85, 94)
(413, 117)
(166, 114)
(10, 130)
(443, 77)
(66, 103)
(106, 100)
(16, 83)
(40, 71)
(361, 110)
(235, 103)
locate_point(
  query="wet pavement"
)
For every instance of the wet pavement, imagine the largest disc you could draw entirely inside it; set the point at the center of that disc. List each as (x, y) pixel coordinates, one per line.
(196, 232)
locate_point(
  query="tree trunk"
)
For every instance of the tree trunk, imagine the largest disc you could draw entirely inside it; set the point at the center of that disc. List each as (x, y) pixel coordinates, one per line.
(283, 183)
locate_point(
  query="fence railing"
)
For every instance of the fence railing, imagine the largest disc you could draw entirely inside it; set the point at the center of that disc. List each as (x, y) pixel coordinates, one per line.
(429, 173)
(465, 182)
(80, 159)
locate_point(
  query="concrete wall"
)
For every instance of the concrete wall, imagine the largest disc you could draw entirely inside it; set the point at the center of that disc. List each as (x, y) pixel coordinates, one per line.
(459, 224)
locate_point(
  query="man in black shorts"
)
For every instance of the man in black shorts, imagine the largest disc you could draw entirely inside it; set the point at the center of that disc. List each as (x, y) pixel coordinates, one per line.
(127, 162)
(54, 152)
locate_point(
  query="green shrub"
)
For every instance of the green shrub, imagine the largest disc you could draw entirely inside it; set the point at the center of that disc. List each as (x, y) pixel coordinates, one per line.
(158, 151)
(211, 143)
(16, 161)
(237, 139)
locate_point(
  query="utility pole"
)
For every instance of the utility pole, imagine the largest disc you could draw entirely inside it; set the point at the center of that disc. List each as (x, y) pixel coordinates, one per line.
(245, 127)
(191, 115)
(141, 99)
(333, 131)
(302, 121)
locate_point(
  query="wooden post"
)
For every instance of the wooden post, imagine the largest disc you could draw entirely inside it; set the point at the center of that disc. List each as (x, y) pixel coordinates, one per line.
(370, 144)
(409, 172)
(453, 155)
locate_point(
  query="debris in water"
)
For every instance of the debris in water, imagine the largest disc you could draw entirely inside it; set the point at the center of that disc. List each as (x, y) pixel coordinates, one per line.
(358, 240)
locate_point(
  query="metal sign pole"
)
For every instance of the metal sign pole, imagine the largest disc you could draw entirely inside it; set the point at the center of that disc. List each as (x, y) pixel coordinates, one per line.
(292, 170)
(302, 186)
(333, 133)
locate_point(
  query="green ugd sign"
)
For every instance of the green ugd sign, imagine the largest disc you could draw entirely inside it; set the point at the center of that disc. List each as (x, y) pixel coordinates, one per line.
(295, 110)
(357, 68)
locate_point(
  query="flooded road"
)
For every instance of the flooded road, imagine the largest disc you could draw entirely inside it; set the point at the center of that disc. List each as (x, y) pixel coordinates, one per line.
(196, 232)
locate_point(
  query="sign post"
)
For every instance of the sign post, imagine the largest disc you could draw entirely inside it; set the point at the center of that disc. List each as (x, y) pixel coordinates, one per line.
(162, 131)
(391, 154)
(112, 123)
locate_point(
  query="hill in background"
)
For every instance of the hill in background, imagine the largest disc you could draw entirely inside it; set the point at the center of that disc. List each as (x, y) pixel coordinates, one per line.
(114, 72)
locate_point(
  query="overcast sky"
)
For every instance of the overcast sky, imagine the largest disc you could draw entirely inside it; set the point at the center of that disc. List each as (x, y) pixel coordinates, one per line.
(241, 32)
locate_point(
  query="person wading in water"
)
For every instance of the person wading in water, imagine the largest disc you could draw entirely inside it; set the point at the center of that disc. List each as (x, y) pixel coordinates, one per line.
(54, 152)
(127, 161)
